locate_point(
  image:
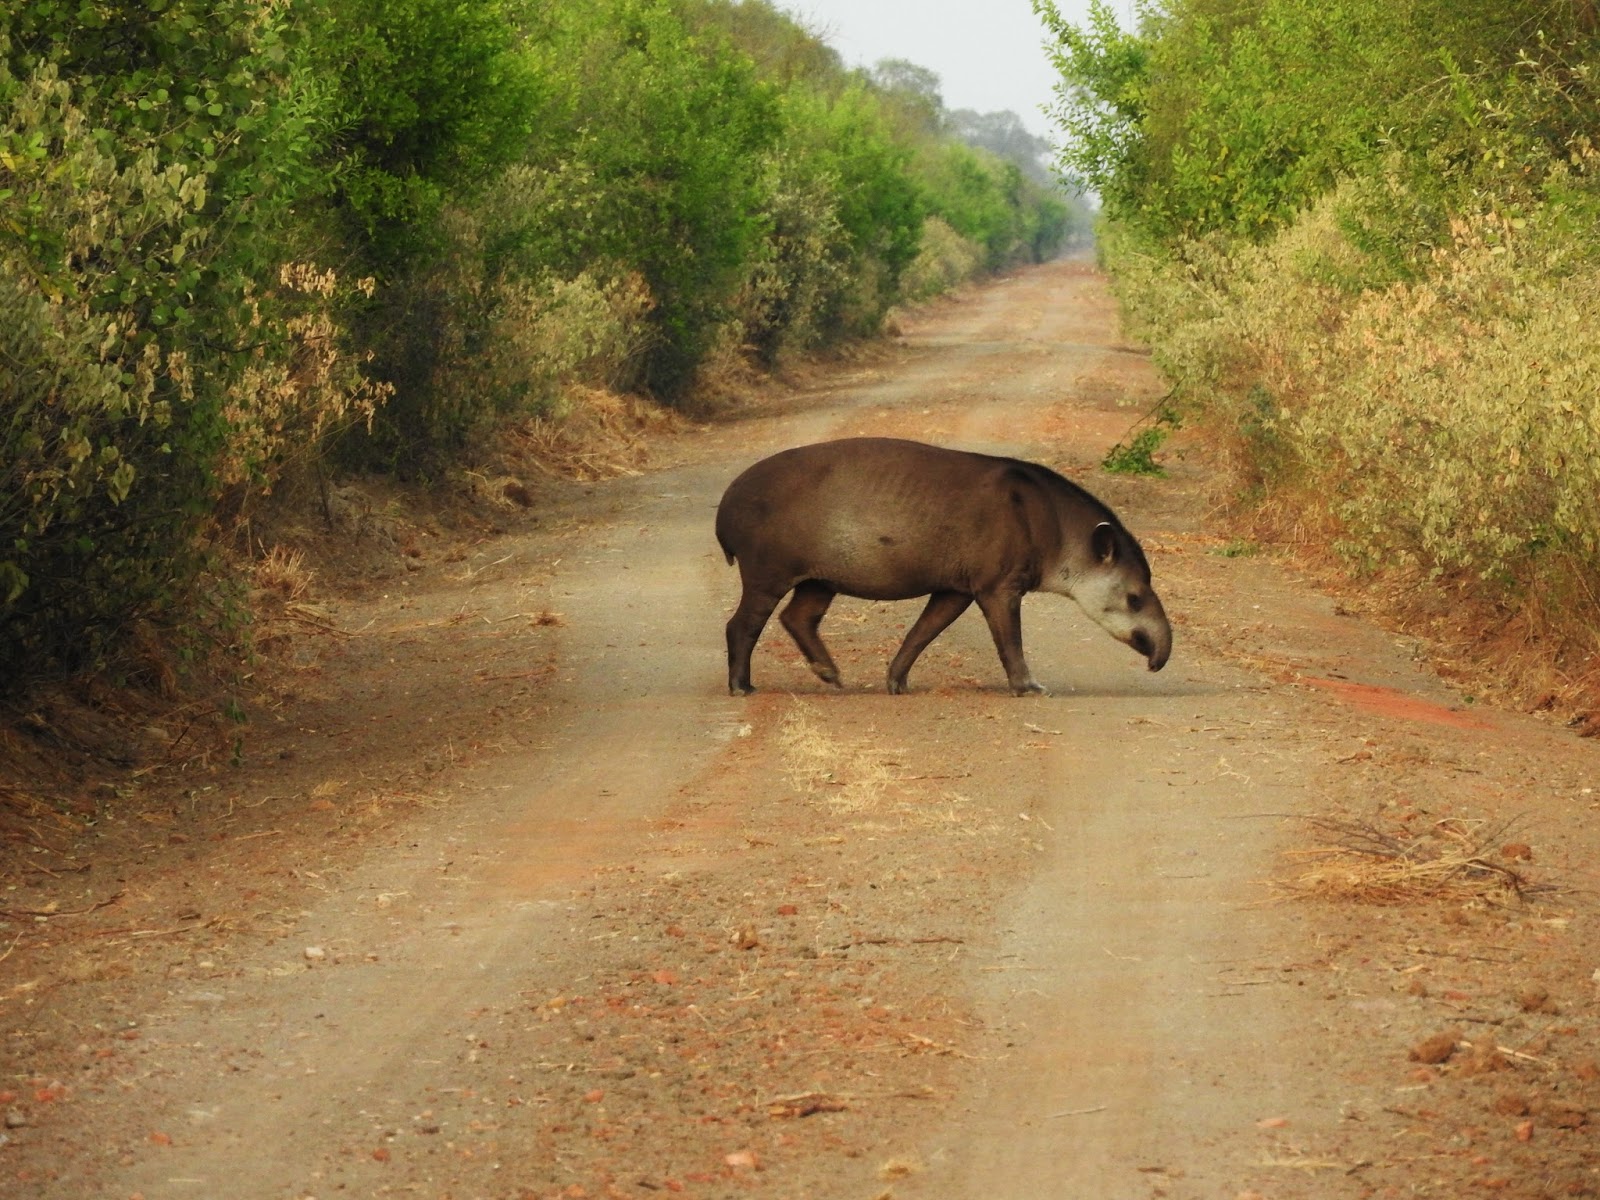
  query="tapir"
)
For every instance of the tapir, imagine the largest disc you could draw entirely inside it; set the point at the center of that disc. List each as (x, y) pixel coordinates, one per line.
(889, 519)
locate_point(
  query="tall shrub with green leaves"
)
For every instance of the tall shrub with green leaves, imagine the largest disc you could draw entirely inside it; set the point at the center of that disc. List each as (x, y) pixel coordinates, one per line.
(1360, 237)
(839, 147)
(1220, 117)
(426, 100)
(1105, 74)
(167, 339)
(427, 103)
(981, 198)
(654, 139)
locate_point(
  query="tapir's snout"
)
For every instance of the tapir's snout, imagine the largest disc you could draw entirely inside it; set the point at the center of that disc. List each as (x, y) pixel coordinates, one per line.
(1153, 637)
(1159, 653)
(1155, 651)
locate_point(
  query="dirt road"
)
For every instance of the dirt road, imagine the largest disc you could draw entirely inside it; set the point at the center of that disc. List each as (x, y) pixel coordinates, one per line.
(505, 897)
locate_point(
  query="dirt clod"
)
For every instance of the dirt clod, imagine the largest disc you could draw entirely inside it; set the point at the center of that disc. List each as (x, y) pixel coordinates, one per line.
(1436, 1049)
(1485, 1058)
(1511, 1104)
(1536, 999)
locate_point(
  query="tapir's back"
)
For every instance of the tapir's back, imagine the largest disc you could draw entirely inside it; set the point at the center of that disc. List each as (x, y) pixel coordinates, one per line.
(878, 517)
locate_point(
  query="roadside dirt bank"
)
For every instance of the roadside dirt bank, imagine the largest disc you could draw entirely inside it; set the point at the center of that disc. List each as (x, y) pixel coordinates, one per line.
(503, 896)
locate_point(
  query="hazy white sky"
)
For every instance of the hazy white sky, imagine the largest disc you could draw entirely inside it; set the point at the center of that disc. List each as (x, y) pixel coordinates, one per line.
(988, 54)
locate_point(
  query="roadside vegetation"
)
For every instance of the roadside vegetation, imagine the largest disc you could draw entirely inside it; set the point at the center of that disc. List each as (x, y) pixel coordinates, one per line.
(1361, 239)
(242, 242)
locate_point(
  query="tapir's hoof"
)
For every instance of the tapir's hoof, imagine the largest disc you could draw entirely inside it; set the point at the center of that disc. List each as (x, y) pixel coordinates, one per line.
(740, 689)
(826, 674)
(897, 687)
(1030, 689)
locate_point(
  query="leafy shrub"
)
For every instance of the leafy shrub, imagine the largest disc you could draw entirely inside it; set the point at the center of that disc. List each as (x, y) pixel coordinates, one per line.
(945, 260)
(979, 197)
(1360, 240)
(166, 343)
(1463, 417)
(1219, 116)
(1102, 102)
(1135, 453)
(427, 99)
(800, 271)
(842, 139)
(1446, 426)
(672, 169)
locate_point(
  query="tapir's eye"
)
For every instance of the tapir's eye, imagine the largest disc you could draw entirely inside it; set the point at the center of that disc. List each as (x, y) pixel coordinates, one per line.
(1135, 602)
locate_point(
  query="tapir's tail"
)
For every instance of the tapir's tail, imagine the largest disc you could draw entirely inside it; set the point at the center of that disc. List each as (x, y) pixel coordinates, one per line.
(722, 540)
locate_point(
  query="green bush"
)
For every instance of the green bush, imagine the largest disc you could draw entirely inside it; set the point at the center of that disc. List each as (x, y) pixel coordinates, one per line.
(167, 342)
(426, 100)
(663, 136)
(838, 148)
(945, 259)
(799, 272)
(1360, 239)
(1217, 116)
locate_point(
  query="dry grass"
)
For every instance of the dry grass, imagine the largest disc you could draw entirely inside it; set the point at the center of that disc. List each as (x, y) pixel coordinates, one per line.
(849, 774)
(284, 572)
(1436, 439)
(1452, 860)
(868, 781)
(600, 435)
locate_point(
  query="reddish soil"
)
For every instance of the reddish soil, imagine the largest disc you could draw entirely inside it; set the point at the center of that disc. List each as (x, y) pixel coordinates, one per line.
(492, 891)
(1390, 702)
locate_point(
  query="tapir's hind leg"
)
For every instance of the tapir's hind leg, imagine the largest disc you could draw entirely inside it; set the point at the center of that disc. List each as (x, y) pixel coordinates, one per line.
(943, 608)
(801, 617)
(744, 627)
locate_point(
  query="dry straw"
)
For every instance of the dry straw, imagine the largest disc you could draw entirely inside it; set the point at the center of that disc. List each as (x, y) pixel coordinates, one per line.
(1451, 860)
(850, 774)
(598, 435)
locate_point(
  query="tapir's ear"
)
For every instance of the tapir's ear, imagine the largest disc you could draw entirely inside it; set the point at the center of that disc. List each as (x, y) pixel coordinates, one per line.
(1103, 541)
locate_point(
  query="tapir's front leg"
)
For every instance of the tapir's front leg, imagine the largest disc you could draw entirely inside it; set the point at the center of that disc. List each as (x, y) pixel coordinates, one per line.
(1003, 611)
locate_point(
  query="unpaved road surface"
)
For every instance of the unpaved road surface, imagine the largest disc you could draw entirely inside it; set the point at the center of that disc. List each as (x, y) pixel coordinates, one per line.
(504, 896)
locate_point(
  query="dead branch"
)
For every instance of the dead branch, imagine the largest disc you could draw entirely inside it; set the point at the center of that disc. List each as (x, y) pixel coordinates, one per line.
(19, 914)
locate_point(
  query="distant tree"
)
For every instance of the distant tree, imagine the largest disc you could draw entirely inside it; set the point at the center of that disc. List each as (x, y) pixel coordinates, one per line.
(1005, 136)
(782, 49)
(913, 92)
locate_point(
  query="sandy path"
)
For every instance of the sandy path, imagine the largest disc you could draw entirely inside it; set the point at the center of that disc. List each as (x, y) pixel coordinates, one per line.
(654, 940)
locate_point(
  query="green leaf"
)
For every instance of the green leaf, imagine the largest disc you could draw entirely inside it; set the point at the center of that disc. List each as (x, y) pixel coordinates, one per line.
(13, 582)
(120, 482)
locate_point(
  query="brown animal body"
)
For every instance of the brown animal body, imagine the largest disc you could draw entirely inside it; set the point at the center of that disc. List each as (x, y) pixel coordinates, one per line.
(887, 519)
